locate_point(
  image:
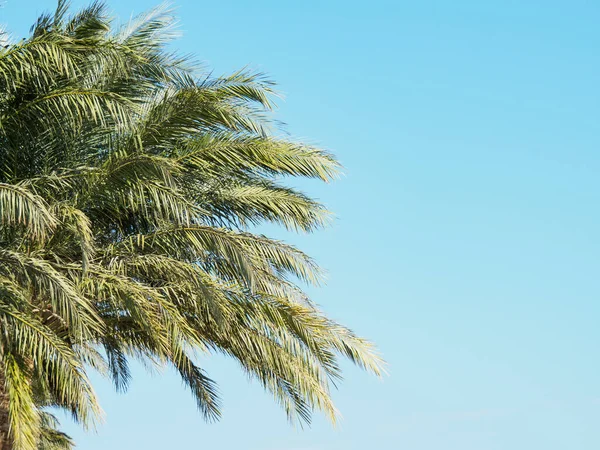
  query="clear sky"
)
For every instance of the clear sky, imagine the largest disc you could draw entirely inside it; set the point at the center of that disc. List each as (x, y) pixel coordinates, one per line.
(467, 241)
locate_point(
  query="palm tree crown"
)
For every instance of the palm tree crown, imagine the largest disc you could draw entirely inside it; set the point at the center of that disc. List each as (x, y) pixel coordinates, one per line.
(130, 183)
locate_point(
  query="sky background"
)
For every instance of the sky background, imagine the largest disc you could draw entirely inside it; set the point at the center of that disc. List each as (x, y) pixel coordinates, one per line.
(466, 241)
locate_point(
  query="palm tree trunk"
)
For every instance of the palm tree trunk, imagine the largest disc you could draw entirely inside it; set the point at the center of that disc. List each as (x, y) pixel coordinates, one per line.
(5, 439)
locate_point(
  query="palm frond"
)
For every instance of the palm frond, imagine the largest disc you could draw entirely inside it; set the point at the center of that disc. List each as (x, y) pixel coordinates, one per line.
(251, 203)
(50, 437)
(51, 287)
(19, 206)
(226, 154)
(23, 414)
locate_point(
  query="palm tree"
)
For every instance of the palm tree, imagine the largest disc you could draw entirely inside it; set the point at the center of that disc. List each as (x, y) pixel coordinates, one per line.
(130, 183)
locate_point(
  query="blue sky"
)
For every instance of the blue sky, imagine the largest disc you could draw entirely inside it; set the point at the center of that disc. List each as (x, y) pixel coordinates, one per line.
(466, 242)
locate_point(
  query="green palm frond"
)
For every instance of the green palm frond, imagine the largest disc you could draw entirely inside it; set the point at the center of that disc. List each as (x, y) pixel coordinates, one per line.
(78, 226)
(75, 104)
(252, 202)
(53, 287)
(67, 381)
(19, 206)
(151, 29)
(202, 388)
(226, 154)
(23, 413)
(50, 437)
